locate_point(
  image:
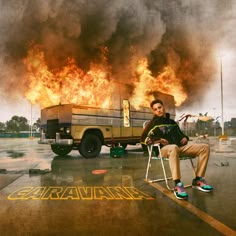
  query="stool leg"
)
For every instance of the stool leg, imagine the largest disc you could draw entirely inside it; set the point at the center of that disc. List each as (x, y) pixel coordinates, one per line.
(149, 147)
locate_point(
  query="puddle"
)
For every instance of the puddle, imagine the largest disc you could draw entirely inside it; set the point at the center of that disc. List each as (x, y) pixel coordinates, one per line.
(14, 154)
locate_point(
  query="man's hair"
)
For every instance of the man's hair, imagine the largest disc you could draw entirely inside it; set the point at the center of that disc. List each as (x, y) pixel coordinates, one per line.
(156, 101)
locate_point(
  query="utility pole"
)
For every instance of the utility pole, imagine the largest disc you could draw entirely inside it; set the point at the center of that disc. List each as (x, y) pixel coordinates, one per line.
(222, 101)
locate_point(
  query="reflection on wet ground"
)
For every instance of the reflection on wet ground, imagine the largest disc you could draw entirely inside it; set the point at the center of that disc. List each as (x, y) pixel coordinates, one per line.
(44, 194)
(14, 154)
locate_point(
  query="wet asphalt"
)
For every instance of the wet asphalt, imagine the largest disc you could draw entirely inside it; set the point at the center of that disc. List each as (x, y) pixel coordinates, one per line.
(43, 194)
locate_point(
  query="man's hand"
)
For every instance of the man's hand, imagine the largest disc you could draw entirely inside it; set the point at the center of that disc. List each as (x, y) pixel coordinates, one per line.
(184, 141)
(148, 141)
(163, 141)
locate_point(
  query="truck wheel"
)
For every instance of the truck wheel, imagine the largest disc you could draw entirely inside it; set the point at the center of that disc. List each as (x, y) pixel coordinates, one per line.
(90, 146)
(61, 150)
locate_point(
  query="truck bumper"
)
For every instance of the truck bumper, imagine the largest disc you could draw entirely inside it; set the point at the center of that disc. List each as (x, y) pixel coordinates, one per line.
(57, 140)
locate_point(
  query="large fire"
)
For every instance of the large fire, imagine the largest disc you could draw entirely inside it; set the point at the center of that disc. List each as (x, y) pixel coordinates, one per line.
(93, 87)
(165, 82)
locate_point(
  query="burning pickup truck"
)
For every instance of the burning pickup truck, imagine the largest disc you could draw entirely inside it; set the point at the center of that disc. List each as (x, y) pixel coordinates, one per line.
(68, 127)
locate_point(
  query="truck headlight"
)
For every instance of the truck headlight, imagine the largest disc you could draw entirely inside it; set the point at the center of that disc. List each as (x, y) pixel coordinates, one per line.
(67, 130)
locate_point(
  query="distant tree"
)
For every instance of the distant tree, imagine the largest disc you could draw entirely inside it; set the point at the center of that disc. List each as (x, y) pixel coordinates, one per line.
(203, 127)
(233, 122)
(36, 124)
(17, 124)
(2, 126)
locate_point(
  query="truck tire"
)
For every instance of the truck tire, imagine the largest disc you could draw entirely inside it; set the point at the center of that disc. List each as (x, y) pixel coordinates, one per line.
(61, 150)
(90, 146)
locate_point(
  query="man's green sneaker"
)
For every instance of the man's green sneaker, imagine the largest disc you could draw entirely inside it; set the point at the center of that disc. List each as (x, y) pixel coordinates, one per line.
(201, 185)
(179, 191)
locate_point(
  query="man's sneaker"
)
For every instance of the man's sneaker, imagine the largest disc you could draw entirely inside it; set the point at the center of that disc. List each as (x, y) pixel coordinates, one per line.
(179, 191)
(201, 185)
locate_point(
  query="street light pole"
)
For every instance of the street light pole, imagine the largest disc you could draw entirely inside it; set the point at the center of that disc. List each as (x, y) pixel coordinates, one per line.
(222, 101)
(214, 109)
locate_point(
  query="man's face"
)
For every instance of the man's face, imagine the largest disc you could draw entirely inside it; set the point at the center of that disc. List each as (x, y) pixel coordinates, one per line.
(158, 109)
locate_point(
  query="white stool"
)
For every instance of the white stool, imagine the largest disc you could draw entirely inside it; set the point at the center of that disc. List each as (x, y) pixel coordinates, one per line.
(150, 149)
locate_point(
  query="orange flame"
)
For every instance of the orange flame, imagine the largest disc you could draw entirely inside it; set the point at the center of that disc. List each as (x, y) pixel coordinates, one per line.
(165, 82)
(95, 87)
(69, 85)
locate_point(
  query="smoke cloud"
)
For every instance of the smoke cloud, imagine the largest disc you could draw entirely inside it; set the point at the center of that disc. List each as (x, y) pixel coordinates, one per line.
(181, 33)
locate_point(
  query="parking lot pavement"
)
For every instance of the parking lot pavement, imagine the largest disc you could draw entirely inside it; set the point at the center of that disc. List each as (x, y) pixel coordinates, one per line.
(108, 196)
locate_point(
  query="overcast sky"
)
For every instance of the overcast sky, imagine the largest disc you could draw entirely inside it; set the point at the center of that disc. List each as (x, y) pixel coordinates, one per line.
(211, 101)
(189, 35)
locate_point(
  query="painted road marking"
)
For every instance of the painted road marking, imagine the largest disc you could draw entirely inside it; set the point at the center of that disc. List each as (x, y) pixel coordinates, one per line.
(196, 211)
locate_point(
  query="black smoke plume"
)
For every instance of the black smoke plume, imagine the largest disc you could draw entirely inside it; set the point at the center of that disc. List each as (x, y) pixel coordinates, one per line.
(179, 33)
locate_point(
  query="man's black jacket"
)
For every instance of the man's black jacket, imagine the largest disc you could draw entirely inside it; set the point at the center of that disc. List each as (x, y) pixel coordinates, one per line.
(163, 127)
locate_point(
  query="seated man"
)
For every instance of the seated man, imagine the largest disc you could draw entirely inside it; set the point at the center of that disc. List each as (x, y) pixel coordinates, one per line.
(173, 144)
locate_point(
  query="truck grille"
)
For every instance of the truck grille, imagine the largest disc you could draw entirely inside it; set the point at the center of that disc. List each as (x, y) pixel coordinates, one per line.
(52, 128)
